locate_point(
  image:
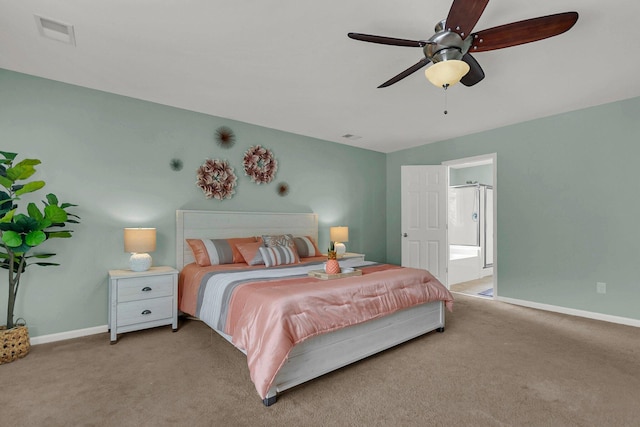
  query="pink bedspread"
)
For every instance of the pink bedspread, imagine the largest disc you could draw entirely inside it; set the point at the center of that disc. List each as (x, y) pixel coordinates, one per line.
(267, 319)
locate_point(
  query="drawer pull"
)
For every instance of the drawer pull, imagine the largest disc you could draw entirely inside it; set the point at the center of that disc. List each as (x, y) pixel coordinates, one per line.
(146, 312)
(146, 289)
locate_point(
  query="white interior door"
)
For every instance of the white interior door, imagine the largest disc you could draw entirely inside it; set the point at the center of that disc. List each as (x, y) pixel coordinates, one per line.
(488, 218)
(424, 218)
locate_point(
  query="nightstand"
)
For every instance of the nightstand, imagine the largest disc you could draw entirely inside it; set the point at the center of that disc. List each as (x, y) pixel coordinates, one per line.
(140, 300)
(351, 255)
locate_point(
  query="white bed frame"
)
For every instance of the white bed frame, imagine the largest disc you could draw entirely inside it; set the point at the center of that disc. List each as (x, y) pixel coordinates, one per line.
(324, 353)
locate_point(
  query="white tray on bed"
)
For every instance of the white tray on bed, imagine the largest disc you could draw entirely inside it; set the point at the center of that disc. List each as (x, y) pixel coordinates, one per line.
(320, 274)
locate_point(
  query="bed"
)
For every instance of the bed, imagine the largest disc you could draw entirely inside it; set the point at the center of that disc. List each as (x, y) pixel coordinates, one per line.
(329, 323)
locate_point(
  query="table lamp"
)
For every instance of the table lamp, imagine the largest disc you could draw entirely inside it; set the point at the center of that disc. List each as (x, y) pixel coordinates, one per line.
(139, 241)
(339, 235)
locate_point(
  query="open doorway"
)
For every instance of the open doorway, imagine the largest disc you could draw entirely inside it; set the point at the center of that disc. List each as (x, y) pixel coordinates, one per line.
(471, 226)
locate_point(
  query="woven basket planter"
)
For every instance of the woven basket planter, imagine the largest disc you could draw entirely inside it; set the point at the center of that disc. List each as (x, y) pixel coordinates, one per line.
(14, 343)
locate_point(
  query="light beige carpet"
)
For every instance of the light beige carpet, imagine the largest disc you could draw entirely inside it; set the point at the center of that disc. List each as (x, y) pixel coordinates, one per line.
(495, 365)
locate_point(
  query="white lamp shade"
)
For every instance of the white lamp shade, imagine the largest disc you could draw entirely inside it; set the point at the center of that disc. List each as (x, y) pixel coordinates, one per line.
(339, 234)
(446, 73)
(139, 241)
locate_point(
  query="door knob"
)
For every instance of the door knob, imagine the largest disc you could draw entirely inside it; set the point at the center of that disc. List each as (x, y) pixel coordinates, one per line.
(405, 235)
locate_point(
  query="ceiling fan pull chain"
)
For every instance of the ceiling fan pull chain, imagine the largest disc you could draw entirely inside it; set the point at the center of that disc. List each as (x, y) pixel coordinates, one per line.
(445, 86)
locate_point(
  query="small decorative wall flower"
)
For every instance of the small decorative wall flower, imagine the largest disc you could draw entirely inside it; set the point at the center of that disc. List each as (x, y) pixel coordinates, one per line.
(283, 189)
(176, 164)
(217, 179)
(260, 164)
(225, 137)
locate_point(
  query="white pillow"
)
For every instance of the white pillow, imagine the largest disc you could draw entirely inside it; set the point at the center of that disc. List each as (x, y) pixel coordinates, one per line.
(278, 255)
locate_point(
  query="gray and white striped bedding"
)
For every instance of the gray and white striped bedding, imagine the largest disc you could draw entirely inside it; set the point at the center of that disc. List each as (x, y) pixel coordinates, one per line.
(217, 287)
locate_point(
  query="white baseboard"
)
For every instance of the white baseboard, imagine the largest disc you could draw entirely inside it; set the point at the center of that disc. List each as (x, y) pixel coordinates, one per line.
(547, 307)
(43, 339)
(572, 312)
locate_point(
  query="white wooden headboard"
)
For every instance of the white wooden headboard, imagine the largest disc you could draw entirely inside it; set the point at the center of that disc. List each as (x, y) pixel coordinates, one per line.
(198, 224)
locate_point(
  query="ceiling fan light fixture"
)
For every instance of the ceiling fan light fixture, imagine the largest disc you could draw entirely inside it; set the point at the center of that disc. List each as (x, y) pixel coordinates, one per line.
(446, 73)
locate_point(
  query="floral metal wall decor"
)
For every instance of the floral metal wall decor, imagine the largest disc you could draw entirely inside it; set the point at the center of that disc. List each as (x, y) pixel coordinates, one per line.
(260, 165)
(225, 137)
(217, 179)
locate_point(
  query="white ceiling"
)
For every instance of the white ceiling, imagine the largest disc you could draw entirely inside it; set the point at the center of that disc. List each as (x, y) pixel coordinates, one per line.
(289, 65)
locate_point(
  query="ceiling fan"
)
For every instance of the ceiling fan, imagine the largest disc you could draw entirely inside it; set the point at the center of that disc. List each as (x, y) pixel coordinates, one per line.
(453, 41)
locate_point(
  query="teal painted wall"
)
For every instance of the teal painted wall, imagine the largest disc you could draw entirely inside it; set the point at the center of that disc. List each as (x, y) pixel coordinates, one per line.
(110, 155)
(567, 194)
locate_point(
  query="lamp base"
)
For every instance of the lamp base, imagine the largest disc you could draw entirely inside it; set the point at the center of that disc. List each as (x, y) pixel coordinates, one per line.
(340, 248)
(140, 262)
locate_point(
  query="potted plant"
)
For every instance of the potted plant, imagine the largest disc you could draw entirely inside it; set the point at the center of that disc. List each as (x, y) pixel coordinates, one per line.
(20, 234)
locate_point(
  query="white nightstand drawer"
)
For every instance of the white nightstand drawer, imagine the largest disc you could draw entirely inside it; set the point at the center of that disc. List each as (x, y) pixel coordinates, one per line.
(148, 310)
(142, 299)
(138, 288)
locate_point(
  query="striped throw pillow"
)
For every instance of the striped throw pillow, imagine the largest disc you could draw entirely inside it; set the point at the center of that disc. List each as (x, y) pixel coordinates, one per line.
(281, 240)
(278, 255)
(217, 251)
(306, 247)
(278, 240)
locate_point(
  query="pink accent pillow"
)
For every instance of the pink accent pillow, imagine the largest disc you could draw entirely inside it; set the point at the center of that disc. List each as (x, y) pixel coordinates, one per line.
(217, 251)
(251, 252)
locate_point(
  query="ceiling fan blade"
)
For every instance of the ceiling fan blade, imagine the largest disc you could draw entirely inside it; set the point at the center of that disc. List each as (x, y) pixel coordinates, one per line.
(405, 73)
(529, 30)
(475, 74)
(386, 40)
(464, 15)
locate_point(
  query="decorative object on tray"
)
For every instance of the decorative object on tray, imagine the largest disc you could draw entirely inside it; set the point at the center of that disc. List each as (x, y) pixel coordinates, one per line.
(225, 137)
(217, 179)
(139, 241)
(339, 235)
(346, 272)
(283, 189)
(176, 164)
(260, 164)
(20, 234)
(332, 266)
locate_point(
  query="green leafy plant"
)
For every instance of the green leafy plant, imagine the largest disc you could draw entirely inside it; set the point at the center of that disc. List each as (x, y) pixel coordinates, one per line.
(22, 232)
(331, 252)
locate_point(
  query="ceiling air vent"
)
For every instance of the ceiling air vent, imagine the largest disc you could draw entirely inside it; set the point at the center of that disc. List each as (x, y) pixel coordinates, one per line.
(55, 30)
